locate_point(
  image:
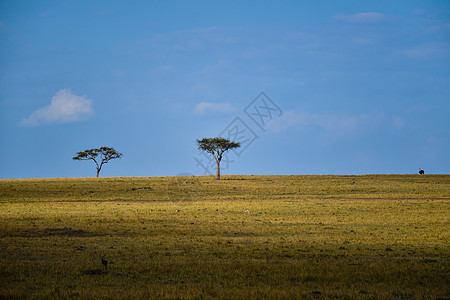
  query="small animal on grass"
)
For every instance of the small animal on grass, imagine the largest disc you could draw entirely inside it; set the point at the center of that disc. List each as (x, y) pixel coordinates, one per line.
(104, 261)
(421, 172)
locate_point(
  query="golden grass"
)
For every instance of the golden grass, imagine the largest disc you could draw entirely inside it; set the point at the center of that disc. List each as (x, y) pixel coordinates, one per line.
(375, 236)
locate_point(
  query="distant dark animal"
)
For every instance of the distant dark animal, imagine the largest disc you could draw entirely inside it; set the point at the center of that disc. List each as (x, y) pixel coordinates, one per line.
(421, 172)
(104, 261)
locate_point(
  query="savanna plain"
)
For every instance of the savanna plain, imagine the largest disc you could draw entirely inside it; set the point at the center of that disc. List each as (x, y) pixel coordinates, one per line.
(243, 237)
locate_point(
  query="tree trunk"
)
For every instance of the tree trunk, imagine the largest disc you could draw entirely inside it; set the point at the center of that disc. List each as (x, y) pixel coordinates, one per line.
(218, 171)
(98, 172)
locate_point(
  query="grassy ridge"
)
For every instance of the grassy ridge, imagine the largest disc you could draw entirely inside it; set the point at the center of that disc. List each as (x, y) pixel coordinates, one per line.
(375, 236)
(231, 187)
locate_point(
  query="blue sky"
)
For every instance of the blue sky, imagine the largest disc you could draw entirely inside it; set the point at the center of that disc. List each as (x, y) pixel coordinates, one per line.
(308, 87)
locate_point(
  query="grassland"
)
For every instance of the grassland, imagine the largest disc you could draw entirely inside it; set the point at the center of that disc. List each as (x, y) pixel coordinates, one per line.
(289, 237)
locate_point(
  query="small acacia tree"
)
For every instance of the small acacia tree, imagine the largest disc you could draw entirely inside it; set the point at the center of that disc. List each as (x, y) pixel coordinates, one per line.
(106, 154)
(216, 147)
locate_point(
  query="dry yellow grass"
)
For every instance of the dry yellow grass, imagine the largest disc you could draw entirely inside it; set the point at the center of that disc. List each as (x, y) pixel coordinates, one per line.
(378, 236)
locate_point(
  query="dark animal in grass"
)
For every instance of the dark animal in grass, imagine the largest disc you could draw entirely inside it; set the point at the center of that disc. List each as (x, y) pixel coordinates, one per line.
(421, 172)
(104, 262)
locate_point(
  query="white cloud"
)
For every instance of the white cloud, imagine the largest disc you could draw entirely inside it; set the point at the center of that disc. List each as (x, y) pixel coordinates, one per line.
(65, 107)
(364, 17)
(204, 107)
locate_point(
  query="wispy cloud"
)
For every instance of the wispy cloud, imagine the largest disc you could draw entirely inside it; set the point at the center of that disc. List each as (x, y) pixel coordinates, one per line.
(65, 107)
(194, 40)
(363, 17)
(103, 12)
(338, 125)
(431, 50)
(203, 107)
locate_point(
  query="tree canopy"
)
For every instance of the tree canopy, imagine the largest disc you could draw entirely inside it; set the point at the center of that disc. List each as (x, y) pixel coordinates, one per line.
(106, 154)
(216, 147)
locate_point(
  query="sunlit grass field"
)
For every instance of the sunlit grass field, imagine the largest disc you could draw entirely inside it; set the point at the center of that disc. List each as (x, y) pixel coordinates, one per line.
(243, 237)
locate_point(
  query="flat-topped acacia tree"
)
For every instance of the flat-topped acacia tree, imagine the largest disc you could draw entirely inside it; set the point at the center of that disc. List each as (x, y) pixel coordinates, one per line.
(216, 147)
(106, 154)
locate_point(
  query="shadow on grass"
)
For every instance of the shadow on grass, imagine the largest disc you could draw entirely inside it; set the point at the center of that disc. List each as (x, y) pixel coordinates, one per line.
(94, 272)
